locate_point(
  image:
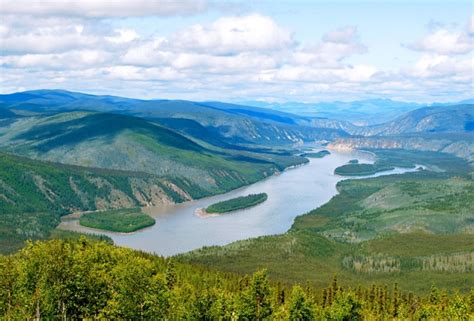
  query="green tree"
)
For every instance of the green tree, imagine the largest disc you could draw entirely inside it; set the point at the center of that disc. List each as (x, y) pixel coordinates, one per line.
(300, 308)
(138, 292)
(170, 274)
(255, 301)
(345, 307)
(434, 295)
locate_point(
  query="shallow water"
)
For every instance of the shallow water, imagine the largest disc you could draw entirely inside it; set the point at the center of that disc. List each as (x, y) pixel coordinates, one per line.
(294, 192)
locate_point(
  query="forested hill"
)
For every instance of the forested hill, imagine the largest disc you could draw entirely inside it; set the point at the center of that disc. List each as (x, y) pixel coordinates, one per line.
(88, 280)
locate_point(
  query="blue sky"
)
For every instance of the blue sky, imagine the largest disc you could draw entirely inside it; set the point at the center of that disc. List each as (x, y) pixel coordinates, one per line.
(304, 51)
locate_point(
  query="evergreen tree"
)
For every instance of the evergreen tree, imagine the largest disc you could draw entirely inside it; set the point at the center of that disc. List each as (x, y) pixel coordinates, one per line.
(434, 295)
(170, 275)
(300, 308)
(255, 302)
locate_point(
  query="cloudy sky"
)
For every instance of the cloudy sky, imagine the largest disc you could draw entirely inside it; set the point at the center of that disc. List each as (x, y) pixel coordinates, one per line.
(308, 51)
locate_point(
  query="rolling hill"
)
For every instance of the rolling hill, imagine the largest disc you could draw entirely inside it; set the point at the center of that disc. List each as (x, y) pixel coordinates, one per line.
(122, 142)
(233, 123)
(441, 119)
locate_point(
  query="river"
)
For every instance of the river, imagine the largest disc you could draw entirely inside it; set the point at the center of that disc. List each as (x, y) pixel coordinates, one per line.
(294, 192)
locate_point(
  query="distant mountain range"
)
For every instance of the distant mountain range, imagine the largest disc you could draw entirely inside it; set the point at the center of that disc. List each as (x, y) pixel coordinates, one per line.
(361, 112)
(73, 127)
(448, 129)
(232, 123)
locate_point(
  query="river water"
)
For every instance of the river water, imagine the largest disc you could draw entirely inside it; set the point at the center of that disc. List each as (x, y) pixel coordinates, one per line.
(294, 192)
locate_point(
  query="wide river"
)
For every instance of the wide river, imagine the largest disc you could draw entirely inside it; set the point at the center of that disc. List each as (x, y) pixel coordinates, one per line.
(294, 192)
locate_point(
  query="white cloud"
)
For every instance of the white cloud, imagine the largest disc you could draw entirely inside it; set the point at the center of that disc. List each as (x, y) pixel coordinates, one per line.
(234, 34)
(142, 74)
(446, 42)
(73, 59)
(103, 8)
(123, 36)
(441, 66)
(241, 57)
(47, 35)
(148, 53)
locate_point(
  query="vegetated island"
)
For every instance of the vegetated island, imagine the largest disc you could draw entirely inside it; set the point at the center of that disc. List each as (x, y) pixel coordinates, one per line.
(319, 154)
(354, 168)
(121, 220)
(235, 204)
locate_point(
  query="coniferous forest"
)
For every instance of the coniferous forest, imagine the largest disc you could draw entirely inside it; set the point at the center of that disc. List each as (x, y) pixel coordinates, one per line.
(86, 279)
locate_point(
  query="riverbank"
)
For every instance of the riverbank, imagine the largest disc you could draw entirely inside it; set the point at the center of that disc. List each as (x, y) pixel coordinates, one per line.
(178, 229)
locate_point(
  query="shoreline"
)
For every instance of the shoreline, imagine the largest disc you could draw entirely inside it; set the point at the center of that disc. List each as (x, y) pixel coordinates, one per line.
(201, 212)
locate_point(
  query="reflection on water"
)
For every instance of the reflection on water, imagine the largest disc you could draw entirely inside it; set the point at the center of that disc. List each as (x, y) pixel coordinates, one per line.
(294, 192)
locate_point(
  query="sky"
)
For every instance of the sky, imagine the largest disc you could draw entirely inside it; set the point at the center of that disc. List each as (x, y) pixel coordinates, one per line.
(274, 51)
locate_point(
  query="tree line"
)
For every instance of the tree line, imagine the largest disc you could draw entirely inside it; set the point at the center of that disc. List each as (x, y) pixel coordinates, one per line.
(76, 279)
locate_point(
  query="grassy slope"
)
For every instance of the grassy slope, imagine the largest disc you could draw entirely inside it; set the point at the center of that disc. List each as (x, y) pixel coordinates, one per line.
(237, 203)
(121, 220)
(386, 229)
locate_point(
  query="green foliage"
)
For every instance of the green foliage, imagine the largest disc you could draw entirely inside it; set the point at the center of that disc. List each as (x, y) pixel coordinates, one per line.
(84, 279)
(122, 220)
(237, 203)
(361, 169)
(300, 307)
(255, 300)
(72, 235)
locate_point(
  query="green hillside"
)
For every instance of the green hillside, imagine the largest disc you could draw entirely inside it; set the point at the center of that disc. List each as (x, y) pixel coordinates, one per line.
(129, 143)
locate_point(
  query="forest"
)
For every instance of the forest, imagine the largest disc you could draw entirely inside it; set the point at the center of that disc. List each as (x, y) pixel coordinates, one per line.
(86, 279)
(237, 203)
